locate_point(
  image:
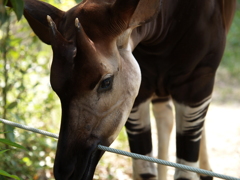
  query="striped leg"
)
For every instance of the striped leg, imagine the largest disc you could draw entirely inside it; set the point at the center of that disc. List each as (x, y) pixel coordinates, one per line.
(164, 121)
(189, 126)
(140, 141)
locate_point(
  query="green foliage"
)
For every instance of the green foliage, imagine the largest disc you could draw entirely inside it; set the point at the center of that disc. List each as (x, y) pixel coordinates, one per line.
(231, 58)
(12, 144)
(4, 173)
(26, 97)
(3, 151)
(17, 6)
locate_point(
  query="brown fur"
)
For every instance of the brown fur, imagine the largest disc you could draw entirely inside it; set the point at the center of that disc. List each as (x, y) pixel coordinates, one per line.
(228, 7)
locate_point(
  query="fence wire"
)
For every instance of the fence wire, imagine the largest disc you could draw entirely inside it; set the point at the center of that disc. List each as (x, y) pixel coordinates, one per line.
(132, 155)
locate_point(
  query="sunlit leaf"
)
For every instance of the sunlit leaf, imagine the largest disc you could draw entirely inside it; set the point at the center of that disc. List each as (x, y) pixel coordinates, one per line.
(27, 161)
(12, 105)
(10, 143)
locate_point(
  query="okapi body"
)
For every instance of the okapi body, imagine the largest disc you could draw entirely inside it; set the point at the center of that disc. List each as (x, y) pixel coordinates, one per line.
(112, 58)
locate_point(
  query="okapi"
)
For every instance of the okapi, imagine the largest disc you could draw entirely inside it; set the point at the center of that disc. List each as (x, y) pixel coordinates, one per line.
(112, 58)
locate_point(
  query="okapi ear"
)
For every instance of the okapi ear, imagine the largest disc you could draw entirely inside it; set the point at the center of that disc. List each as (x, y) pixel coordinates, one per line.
(62, 48)
(36, 14)
(136, 12)
(63, 55)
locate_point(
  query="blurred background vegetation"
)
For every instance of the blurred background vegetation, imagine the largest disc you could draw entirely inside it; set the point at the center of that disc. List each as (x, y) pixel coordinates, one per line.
(227, 85)
(26, 97)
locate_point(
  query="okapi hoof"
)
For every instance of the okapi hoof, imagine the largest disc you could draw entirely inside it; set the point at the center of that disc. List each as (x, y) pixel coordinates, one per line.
(206, 177)
(148, 176)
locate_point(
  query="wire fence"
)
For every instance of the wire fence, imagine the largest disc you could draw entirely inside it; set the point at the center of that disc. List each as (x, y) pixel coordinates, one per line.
(129, 154)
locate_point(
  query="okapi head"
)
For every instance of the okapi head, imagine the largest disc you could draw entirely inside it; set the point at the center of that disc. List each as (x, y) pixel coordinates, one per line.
(93, 72)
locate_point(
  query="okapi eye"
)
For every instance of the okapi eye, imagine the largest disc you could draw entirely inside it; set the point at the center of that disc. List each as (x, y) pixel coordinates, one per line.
(106, 84)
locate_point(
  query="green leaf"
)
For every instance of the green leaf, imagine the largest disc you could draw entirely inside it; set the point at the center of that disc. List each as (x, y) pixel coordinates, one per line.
(18, 8)
(4, 173)
(10, 133)
(12, 105)
(5, 2)
(10, 143)
(3, 151)
(3, 132)
(3, 15)
(78, 1)
(8, 86)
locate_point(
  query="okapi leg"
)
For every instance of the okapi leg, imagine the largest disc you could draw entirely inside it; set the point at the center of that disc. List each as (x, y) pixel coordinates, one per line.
(189, 127)
(140, 141)
(203, 157)
(162, 111)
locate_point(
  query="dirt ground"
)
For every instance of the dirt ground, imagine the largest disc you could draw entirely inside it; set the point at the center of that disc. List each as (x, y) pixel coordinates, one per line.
(223, 137)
